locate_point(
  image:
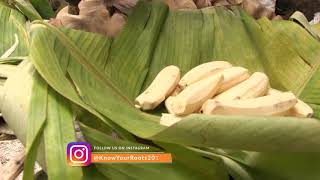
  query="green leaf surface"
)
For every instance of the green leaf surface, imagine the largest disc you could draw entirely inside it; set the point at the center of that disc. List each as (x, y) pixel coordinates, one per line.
(68, 88)
(36, 114)
(58, 132)
(35, 123)
(27, 9)
(12, 22)
(282, 166)
(43, 7)
(116, 78)
(183, 166)
(316, 28)
(303, 21)
(102, 76)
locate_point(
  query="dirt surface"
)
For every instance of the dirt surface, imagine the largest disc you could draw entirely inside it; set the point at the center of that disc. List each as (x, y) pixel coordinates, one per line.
(10, 149)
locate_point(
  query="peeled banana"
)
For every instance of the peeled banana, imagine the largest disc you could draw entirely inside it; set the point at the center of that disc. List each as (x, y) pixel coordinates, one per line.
(233, 76)
(169, 103)
(301, 109)
(176, 91)
(203, 71)
(257, 85)
(192, 97)
(161, 87)
(265, 106)
(169, 119)
(237, 92)
(272, 91)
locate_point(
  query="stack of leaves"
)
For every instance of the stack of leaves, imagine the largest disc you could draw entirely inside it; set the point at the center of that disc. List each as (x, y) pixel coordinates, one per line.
(76, 76)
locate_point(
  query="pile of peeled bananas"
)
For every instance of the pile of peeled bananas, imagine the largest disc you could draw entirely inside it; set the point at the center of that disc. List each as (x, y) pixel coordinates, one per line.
(218, 88)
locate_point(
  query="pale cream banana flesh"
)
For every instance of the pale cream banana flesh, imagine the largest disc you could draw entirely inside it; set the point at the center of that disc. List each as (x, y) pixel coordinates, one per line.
(191, 98)
(233, 76)
(169, 104)
(301, 109)
(176, 91)
(169, 119)
(160, 88)
(257, 85)
(265, 106)
(203, 71)
(238, 93)
(272, 91)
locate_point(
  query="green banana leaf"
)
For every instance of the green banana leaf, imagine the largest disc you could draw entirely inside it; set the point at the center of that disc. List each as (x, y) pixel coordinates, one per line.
(13, 22)
(43, 8)
(274, 165)
(107, 79)
(302, 20)
(91, 74)
(316, 28)
(116, 70)
(27, 9)
(183, 168)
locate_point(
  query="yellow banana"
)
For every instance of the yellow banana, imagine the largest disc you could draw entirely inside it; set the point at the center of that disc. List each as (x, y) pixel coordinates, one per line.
(257, 85)
(202, 71)
(169, 119)
(233, 76)
(161, 87)
(192, 97)
(301, 109)
(264, 106)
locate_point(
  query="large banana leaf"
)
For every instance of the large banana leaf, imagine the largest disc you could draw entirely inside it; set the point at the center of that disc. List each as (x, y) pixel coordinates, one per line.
(102, 76)
(112, 72)
(182, 168)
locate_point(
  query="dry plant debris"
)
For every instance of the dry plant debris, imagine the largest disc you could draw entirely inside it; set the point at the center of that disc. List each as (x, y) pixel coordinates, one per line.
(109, 17)
(93, 17)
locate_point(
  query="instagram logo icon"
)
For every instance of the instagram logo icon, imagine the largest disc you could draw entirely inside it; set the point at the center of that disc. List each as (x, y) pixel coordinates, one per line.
(79, 154)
